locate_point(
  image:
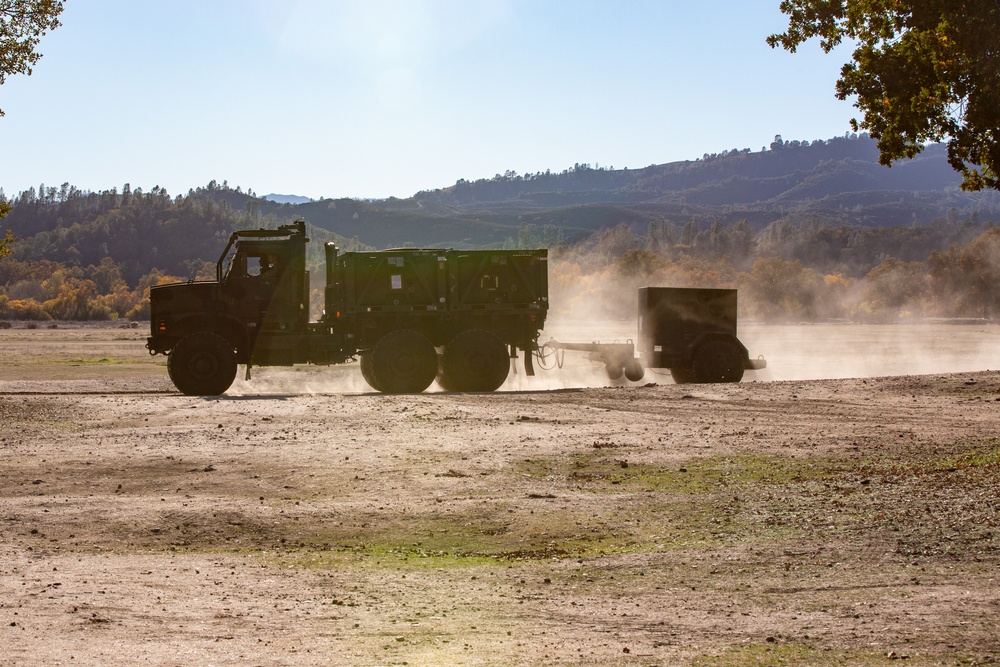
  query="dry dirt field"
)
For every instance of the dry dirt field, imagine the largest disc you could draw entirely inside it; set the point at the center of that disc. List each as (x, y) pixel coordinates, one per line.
(822, 522)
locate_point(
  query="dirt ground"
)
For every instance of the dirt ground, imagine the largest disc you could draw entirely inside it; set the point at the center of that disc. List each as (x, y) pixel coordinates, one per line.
(824, 522)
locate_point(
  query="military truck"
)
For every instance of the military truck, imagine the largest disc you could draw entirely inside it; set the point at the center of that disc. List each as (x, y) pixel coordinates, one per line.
(410, 317)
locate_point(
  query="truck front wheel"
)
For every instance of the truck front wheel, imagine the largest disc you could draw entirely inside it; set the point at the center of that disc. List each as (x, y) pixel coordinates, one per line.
(202, 364)
(403, 362)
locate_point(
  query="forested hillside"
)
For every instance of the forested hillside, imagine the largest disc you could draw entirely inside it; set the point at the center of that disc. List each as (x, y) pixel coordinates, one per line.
(825, 208)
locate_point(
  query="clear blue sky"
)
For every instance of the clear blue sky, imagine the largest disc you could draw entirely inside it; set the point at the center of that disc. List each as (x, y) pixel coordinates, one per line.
(379, 98)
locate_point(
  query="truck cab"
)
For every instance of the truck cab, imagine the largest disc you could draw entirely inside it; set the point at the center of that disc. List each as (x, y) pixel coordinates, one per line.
(255, 312)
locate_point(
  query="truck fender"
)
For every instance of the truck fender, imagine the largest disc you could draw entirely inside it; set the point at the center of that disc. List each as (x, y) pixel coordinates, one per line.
(233, 330)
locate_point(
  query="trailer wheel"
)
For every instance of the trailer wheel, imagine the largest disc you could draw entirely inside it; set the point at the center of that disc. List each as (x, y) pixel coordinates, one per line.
(474, 360)
(718, 361)
(367, 371)
(403, 362)
(634, 370)
(202, 364)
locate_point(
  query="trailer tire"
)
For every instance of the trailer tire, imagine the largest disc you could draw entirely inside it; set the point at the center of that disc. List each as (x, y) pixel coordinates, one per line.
(403, 362)
(474, 360)
(718, 361)
(367, 371)
(202, 364)
(634, 370)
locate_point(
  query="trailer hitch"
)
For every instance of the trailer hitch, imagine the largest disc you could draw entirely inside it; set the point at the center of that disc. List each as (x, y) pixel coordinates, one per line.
(618, 358)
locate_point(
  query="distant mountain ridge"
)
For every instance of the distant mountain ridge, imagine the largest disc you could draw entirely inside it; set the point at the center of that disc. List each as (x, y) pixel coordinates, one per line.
(833, 182)
(832, 185)
(286, 199)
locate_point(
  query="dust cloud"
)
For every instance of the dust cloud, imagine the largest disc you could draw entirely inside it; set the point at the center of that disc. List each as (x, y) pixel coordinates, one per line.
(576, 372)
(792, 352)
(833, 351)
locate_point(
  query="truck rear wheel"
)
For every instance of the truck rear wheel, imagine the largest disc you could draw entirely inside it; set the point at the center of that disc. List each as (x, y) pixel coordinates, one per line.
(202, 364)
(474, 360)
(718, 361)
(367, 372)
(682, 375)
(403, 362)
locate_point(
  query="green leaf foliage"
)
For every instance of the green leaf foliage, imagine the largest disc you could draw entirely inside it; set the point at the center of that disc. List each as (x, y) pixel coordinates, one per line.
(22, 25)
(922, 71)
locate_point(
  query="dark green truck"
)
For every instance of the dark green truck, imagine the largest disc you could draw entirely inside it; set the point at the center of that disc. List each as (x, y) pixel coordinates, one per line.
(409, 316)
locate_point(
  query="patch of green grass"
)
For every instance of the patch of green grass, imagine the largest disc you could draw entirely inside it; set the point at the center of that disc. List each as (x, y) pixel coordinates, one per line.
(474, 540)
(595, 471)
(102, 361)
(976, 459)
(594, 506)
(418, 541)
(986, 455)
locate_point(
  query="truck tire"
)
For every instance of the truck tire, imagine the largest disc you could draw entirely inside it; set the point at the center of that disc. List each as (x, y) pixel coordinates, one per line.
(403, 362)
(474, 360)
(718, 361)
(202, 364)
(367, 372)
(682, 375)
(441, 378)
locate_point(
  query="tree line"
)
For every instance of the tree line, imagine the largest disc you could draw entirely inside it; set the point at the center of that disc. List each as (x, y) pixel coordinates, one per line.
(94, 255)
(80, 255)
(787, 281)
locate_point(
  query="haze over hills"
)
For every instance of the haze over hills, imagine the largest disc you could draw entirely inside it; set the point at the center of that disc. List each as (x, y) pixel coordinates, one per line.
(834, 182)
(286, 199)
(841, 235)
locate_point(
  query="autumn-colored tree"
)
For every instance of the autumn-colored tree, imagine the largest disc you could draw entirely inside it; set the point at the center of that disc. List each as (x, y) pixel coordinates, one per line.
(780, 290)
(5, 242)
(836, 296)
(75, 300)
(22, 24)
(22, 309)
(965, 279)
(892, 289)
(697, 272)
(151, 279)
(639, 263)
(922, 71)
(8, 238)
(986, 250)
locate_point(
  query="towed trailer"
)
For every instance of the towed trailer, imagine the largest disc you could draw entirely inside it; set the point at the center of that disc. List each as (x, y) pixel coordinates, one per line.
(689, 331)
(411, 317)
